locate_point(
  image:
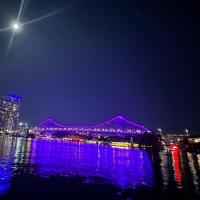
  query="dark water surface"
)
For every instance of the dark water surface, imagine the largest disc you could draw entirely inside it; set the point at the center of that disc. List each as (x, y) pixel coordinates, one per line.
(42, 169)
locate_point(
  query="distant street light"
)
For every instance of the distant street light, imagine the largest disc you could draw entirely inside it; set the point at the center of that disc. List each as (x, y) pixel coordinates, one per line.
(187, 131)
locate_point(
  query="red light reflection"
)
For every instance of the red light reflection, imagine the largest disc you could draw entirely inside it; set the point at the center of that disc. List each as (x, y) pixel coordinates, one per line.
(176, 165)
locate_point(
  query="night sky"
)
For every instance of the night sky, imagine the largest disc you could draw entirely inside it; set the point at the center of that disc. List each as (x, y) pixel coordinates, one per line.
(100, 58)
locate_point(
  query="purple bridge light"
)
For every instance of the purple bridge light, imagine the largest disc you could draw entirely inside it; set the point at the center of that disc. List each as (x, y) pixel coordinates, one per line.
(117, 125)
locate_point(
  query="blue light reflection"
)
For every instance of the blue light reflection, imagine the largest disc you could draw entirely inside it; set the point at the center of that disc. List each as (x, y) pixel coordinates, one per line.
(125, 168)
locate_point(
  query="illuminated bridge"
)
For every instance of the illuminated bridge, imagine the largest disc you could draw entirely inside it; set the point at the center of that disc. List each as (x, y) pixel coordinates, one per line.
(116, 126)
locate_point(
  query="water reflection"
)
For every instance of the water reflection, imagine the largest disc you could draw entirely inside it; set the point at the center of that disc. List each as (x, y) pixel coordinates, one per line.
(164, 167)
(5, 168)
(176, 167)
(121, 167)
(193, 169)
(124, 168)
(180, 169)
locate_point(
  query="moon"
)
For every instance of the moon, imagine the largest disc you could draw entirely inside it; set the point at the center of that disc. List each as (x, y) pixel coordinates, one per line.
(16, 26)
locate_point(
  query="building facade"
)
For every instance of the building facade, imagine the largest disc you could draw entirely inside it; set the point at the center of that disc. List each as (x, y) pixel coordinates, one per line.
(9, 113)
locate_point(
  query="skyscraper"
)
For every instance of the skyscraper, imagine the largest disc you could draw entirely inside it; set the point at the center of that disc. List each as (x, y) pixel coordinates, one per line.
(9, 113)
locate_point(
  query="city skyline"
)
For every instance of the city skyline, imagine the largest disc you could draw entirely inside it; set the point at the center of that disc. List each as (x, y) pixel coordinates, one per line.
(120, 121)
(103, 58)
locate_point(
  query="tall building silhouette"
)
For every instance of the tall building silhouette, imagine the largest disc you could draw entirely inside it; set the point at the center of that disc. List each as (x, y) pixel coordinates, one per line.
(9, 113)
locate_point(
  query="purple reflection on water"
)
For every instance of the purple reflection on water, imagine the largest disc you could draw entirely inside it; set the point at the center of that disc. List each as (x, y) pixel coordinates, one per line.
(5, 176)
(5, 165)
(125, 168)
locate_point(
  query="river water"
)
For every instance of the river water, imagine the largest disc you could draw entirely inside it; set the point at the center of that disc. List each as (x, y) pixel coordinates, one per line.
(50, 169)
